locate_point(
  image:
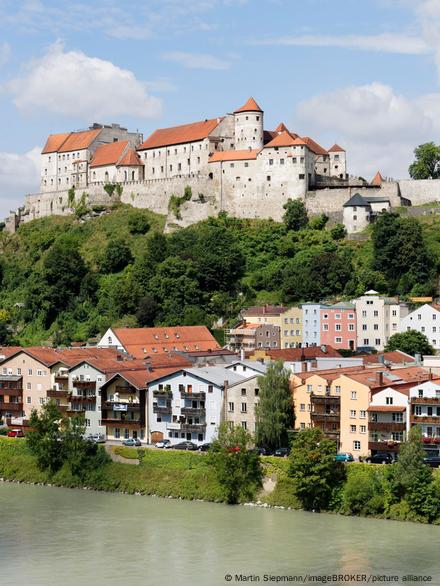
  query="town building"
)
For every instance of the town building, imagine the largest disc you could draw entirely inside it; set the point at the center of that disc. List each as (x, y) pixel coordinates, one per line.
(426, 320)
(378, 318)
(240, 401)
(288, 319)
(338, 326)
(424, 410)
(387, 414)
(360, 210)
(311, 320)
(250, 336)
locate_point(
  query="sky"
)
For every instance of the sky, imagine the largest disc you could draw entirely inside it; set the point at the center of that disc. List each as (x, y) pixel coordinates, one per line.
(364, 74)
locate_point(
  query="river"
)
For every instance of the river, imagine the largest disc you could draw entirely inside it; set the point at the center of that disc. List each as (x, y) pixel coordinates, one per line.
(55, 536)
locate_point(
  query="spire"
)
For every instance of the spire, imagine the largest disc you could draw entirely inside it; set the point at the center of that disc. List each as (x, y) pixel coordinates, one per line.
(377, 179)
(281, 128)
(250, 106)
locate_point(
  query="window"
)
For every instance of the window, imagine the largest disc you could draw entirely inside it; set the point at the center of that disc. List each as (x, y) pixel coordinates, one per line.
(421, 393)
(353, 394)
(364, 313)
(309, 388)
(231, 407)
(338, 327)
(362, 414)
(30, 371)
(363, 429)
(244, 424)
(210, 388)
(325, 327)
(117, 432)
(356, 445)
(352, 413)
(270, 161)
(398, 417)
(352, 428)
(281, 161)
(28, 386)
(351, 327)
(28, 400)
(301, 176)
(418, 410)
(302, 407)
(126, 433)
(377, 341)
(302, 425)
(39, 373)
(389, 400)
(338, 389)
(243, 392)
(338, 340)
(257, 392)
(244, 407)
(268, 178)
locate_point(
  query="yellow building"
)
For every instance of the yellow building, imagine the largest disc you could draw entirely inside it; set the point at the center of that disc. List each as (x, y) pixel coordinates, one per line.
(288, 319)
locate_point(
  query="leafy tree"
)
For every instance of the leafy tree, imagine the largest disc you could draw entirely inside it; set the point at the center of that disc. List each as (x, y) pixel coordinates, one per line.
(146, 311)
(313, 468)
(411, 342)
(318, 222)
(44, 440)
(138, 224)
(295, 216)
(117, 256)
(78, 453)
(427, 162)
(274, 412)
(338, 232)
(237, 466)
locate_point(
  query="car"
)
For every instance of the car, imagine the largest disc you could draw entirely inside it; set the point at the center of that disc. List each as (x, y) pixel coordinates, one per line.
(380, 458)
(98, 438)
(165, 443)
(262, 451)
(185, 446)
(281, 452)
(433, 461)
(344, 457)
(204, 447)
(132, 442)
(15, 433)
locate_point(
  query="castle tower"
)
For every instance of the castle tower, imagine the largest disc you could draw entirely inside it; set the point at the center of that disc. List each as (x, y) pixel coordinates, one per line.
(249, 126)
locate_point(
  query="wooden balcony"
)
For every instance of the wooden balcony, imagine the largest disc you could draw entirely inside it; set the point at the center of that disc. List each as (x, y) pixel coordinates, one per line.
(193, 427)
(195, 396)
(53, 394)
(61, 378)
(130, 406)
(84, 384)
(125, 389)
(429, 419)
(193, 411)
(386, 426)
(435, 401)
(121, 423)
(325, 399)
(11, 407)
(162, 409)
(11, 392)
(82, 398)
(388, 446)
(318, 416)
(163, 393)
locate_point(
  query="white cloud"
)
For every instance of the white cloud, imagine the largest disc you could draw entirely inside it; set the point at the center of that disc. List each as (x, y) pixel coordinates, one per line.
(378, 127)
(5, 52)
(196, 60)
(73, 84)
(385, 42)
(19, 174)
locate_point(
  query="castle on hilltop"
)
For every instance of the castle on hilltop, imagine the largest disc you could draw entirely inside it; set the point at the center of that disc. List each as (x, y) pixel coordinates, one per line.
(230, 163)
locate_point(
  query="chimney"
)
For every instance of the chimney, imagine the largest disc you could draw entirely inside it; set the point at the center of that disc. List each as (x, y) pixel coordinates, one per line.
(418, 358)
(381, 358)
(119, 358)
(303, 366)
(431, 376)
(242, 356)
(324, 348)
(379, 378)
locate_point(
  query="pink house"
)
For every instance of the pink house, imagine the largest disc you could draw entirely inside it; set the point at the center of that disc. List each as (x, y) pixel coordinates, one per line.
(338, 326)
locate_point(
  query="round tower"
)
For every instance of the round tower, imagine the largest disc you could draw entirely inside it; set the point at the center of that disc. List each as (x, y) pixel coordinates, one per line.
(249, 126)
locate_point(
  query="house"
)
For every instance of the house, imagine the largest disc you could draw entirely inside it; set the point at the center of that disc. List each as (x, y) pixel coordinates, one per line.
(241, 398)
(360, 210)
(338, 326)
(311, 319)
(387, 414)
(248, 336)
(426, 320)
(188, 404)
(424, 410)
(145, 342)
(115, 163)
(288, 319)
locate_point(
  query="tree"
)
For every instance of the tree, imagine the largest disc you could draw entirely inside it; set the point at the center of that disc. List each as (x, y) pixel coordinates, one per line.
(117, 256)
(138, 224)
(338, 232)
(295, 216)
(237, 466)
(146, 311)
(44, 440)
(318, 222)
(411, 342)
(427, 162)
(274, 412)
(313, 468)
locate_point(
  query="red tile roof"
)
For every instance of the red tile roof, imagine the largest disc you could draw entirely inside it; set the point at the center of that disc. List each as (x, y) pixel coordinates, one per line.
(77, 141)
(281, 127)
(68, 356)
(281, 140)
(377, 179)
(336, 149)
(179, 134)
(109, 154)
(314, 146)
(7, 351)
(142, 342)
(395, 357)
(140, 378)
(241, 155)
(54, 142)
(300, 354)
(250, 106)
(265, 310)
(130, 159)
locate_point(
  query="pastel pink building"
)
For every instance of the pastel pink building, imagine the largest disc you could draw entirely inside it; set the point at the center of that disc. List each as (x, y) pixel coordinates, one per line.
(338, 326)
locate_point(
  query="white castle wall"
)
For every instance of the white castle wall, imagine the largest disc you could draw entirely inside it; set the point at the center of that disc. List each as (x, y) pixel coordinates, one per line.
(421, 191)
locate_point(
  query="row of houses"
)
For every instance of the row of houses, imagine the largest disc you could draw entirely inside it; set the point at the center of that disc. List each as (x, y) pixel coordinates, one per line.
(366, 322)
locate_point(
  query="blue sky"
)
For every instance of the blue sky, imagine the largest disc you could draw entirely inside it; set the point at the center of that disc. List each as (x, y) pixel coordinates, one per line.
(364, 73)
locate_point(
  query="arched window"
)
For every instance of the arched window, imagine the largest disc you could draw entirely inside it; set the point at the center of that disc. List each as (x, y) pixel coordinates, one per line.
(132, 175)
(125, 175)
(106, 175)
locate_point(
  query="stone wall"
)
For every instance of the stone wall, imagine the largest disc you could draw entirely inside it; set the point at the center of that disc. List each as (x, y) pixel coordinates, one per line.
(421, 191)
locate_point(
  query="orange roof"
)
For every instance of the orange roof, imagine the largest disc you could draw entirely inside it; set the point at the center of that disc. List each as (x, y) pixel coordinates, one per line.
(140, 378)
(300, 354)
(314, 146)
(281, 127)
(281, 140)
(77, 141)
(130, 159)
(143, 342)
(377, 179)
(54, 142)
(68, 356)
(241, 155)
(109, 154)
(395, 357)
(250, 106)
(391, 378)
(179, 134)
(336, 149)
(331, 374)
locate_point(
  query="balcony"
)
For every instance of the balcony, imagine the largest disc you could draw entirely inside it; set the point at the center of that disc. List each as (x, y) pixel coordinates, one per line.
(425, 401)
(61, 378)
(125, 389)
(386, 426)
(195, 396)
(11, 392)
(193, 411)
(386, 446)
(325, 399)
(193, 427)
(162, 409)
(79, 410)
(430, 419)
(84, 398)
(125, 406)
(53, 394)
(122, 422)
(11, 407)
(325, 416)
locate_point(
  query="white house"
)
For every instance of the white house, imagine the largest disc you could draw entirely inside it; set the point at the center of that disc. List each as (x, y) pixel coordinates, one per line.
(426, 320)
(425, 411)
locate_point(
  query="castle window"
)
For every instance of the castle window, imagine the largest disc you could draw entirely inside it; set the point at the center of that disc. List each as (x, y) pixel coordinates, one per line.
(198, 160)
(301, 160)
(281, 161)
(294, 160)
(45, 171)
(106, 175)
(189, 162)
(94, 174)
(231, 165)
(211, 176)
(175, 151)
(145, 156)
(301, 176)
(152, 170)
(67, 157)
(257, 117)
(171, 167)
(192, 147)
(247, 117)
(161, 169)
(336, 166)
(355, 217)
(51, 181)
(246, 164)
(125, 176)
(325, 169)
(270, 161)
(50, 159)
(73, 155)
(132, 175)
(168, 151)
(268, 178)
(336, 157)
(67, 180)
(179, 167)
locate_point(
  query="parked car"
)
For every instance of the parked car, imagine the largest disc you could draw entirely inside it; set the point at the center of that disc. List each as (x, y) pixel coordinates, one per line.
(433, 461)
(15, 433)
(185, 446)
(132, 442)
(281, 452)
(204, 447)
(344, 457)
(98, 438)
(380, 458)
(165, 443)
(262, 451)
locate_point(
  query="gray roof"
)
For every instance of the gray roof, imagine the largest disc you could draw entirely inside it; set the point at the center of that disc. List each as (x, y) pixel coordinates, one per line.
(377, 199)
(252, 364)
(356, 200)
(9, 377)
(342, 305)
(216, 375)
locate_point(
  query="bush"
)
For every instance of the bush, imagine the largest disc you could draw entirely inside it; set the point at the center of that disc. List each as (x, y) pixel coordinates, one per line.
(138, 224)
(361, 494)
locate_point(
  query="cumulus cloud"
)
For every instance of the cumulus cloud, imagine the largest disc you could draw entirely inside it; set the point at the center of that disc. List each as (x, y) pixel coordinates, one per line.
(385, 42)
(19, 174)
(71, 83)
(378, 127)
(196, 60)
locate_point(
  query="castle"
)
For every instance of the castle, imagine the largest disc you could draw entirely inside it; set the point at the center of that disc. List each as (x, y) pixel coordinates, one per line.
(231, 164)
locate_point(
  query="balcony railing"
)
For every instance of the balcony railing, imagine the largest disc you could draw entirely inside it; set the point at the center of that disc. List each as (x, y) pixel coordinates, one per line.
(61, 377)
(86, 398)
(327, 399)
(325, 416)
(415, 419)
(193, 427)
(195, 396)
(386, 426)
(193, 411)
(162, 409)
(54, 394)
(122, 422)
(11, 407)
(163, 393)
(130, 405)
(386, 446)
(11, 392)
(125, 389)
(425, 401)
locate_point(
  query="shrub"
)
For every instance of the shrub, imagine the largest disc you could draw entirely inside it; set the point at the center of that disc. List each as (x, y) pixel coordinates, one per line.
(138, 224)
